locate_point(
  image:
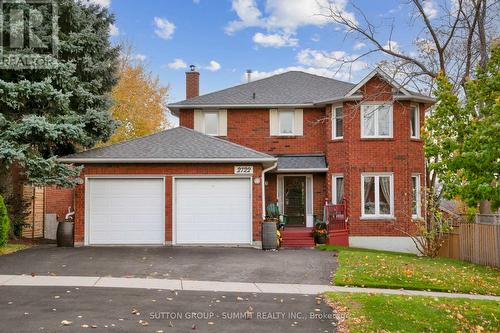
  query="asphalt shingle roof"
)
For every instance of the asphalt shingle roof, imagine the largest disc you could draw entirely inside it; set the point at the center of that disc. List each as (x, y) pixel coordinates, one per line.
(292, 162)
(176, 143)
(292, 87)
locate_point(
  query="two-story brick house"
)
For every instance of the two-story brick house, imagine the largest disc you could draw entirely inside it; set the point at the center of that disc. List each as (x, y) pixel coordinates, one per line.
(294, 138)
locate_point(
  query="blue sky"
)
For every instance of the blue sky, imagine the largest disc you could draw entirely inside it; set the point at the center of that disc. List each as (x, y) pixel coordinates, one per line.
(224, 38)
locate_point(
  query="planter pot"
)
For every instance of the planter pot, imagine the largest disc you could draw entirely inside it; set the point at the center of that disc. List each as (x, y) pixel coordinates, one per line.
(320, 239)
(65, 234)
(269, 239)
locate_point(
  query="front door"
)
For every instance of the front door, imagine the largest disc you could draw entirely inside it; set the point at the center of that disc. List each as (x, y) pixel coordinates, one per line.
(295, 200)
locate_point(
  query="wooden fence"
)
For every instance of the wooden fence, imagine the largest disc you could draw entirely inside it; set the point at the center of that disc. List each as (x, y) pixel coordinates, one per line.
(480, 243)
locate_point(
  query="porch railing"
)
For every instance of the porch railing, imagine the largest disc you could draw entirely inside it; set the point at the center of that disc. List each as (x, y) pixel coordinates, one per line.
(336, 216)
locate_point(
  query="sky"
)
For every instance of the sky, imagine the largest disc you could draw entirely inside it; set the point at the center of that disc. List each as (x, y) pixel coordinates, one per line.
(224, 38)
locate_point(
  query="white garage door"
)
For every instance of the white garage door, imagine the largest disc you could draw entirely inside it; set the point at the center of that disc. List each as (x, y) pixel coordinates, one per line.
(213, 211)
(125, 211)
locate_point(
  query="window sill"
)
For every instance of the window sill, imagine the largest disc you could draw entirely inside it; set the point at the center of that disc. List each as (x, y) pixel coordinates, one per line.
(288, 136)
(416, 139)
(337, 140)
(377, 139)
(377, 218)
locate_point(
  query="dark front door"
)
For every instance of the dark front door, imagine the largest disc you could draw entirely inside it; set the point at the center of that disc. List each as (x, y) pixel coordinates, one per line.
(295, 200)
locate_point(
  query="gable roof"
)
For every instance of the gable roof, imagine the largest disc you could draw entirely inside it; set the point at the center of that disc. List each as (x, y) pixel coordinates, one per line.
(289, 88)
(176, 145)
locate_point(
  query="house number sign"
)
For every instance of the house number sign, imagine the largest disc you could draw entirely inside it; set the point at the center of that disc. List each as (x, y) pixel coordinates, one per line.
(243, 170)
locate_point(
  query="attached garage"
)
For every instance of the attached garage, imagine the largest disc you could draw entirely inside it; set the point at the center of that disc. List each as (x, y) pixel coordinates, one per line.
(125, 211)
(213, 211)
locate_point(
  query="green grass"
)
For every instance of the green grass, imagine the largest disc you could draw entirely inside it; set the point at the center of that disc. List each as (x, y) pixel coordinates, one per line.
(9, 248)
(379, 269)
(394, 313)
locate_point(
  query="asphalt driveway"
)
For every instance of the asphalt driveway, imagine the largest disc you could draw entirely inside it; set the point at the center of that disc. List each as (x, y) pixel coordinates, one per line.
(304, 266)
(65, 309)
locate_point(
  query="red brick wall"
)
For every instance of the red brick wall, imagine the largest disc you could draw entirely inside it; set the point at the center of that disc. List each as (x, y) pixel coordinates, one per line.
(167, 170)
(57, 201)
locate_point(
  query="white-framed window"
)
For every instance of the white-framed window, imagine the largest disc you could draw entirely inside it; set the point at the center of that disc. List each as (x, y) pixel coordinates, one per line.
(338, 123)
(286, 122)
(376, 120)
(416, 196)
(337, 188)
(377, 195)
(211, 122)
(414, 122)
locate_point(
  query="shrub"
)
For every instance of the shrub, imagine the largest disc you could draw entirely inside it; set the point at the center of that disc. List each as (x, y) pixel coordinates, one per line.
(4, 223)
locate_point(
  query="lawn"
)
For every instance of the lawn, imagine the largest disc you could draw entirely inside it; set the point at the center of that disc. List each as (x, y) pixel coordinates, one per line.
(9, 248)
(379, 269)
(392, 313)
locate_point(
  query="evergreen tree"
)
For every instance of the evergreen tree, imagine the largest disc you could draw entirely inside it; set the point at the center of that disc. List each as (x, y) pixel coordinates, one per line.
(45, 113)
(4, 223)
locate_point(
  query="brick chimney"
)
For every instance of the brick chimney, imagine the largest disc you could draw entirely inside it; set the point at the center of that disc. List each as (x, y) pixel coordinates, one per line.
(192, 82)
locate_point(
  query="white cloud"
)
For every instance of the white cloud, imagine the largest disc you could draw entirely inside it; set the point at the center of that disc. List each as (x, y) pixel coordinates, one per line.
(138, 57)
(113, 30)
(430, 8)
(177, 64)
(359, 45)
(102, 3)
(213, 66)
(392, 45)
(164, 28)
(274, 40)
(338, 60)
(316, 38)
(284, 15)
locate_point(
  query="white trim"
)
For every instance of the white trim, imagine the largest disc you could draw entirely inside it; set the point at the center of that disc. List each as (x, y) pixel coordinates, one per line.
(309, 178)
(377, 215)
(418, 195)
(165, 160)
(174, 206)
(334, 187)
(384, 76)
(334, 122)
(376, 124)
(292, 112)
(417, 121)
(86, 204)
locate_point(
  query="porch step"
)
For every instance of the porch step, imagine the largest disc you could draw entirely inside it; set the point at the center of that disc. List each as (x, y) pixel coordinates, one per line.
(298, 237)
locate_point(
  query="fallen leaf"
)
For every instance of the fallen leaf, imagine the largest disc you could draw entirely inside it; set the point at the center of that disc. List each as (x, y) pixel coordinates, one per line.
(66, 322)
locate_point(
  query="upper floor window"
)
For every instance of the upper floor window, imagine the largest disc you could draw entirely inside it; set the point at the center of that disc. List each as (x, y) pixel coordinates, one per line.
(377, 195)
(285, 122)
(414, 122)
(415, 184)
(338, 123)
(376, 121)
(211, 122)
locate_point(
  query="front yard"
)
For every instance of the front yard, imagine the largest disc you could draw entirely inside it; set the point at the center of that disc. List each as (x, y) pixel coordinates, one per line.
(10, 248)
(391, 313)
(379, 269)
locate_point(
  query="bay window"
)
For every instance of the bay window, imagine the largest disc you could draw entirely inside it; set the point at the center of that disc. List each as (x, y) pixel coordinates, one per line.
(414, 122)
(416, 201)
(377, 195)
(338, 189)
(376, 121)
(338, 123)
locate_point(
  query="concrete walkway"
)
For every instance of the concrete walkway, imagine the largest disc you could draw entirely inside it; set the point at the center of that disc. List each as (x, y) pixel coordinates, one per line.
(193, 285)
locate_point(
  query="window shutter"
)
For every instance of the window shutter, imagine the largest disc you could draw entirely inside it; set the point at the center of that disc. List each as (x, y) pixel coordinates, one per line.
(273, 122)
(198, 121)
(299, 122)
(222, 122)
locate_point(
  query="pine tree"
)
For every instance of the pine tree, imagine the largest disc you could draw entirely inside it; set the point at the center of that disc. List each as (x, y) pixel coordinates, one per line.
(46, 113)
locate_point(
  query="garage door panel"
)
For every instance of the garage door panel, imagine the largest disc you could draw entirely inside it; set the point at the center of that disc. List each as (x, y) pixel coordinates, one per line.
(213, 211)
(126, 211)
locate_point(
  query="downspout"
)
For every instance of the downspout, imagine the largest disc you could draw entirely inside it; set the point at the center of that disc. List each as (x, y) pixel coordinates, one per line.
(263, 178)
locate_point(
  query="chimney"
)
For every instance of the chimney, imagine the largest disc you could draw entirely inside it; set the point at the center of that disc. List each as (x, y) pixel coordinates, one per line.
(192, 82)
(249, 75)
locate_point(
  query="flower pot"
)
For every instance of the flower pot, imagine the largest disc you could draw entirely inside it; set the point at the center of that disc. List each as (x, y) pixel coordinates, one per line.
(320, 239)
(65, 234)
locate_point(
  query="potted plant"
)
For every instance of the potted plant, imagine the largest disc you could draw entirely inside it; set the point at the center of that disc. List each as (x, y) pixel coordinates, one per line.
(320, 233)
